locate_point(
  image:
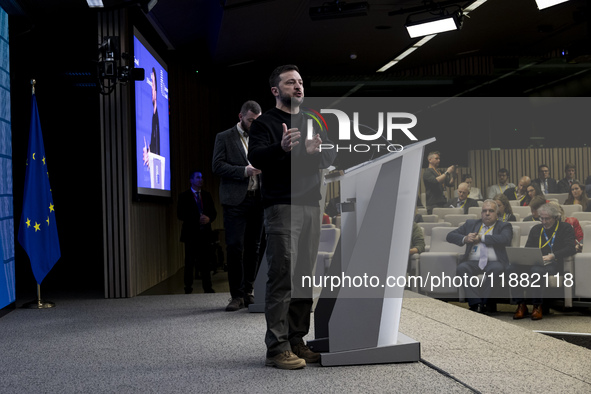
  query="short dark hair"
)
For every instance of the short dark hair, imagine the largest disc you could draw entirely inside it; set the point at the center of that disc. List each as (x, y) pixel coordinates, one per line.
(275, 75)
(504, 171)
(435, 152)
(466, 176)
(568, 166)
(251, 106)
(537, 202)
(542, 166)
(193, 172)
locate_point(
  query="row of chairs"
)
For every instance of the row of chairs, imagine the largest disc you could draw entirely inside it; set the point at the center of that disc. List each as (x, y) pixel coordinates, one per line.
(560, 197)
(443, 258)
(455, 215)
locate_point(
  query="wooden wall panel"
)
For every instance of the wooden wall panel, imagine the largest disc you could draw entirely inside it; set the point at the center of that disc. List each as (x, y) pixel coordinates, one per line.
(114, 162)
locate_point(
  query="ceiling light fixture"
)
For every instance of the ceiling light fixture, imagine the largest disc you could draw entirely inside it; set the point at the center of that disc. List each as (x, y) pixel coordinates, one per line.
(407, 52)
(471, 7)
(95, 3)
(434, 25)
(548, 3)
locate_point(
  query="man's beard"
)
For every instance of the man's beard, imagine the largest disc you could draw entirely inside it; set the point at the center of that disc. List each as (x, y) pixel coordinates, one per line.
(244, 126)
(290, 101)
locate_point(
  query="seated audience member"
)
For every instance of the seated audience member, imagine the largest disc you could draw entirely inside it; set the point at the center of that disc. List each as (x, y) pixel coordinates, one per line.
(417, 243)
(573, 222)
(534, 190)
(502, 186)
(485, 241)
(474, 191)
(577, 195)
(463, 201)
(569, 177)
(547, 184)
(505, 210)
(536, 203)
(519, 192)
(556, 239)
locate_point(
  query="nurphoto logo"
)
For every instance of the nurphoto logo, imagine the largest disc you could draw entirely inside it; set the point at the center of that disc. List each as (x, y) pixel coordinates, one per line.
(388, 122)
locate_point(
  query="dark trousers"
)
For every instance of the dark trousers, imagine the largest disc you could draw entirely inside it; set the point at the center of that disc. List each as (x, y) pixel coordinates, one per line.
(293, 236)
(480, 294)
(243, 224)
(535, 293)
(198, 256)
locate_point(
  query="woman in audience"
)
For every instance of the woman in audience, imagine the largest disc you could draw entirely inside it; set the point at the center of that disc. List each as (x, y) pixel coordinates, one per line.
(534, 190)
(505, 212)
(474, 191)
(577, 195)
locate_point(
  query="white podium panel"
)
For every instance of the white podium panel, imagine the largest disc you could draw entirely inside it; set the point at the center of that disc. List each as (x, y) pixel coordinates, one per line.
(359, 324)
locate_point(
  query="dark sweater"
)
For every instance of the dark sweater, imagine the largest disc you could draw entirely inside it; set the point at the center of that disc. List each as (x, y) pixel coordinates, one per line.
(282, 183)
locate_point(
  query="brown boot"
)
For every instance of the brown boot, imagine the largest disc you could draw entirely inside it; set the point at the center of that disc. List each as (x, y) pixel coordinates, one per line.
(536, 314)
(521, 311)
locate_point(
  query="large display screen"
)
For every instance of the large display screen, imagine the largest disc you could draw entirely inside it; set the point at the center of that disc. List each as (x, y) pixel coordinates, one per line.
(152, 134)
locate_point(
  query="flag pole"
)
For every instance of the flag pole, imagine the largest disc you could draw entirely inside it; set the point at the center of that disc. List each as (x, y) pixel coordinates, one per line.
(38, 303)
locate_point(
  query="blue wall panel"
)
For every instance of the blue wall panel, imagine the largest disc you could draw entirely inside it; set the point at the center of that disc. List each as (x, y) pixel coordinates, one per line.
(7, 279)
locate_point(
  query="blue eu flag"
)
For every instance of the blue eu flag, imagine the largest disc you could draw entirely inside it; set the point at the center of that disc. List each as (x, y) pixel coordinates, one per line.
(37, 232)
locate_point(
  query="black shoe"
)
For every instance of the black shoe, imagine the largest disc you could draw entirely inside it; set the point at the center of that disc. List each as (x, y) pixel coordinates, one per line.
(475, 307)
(304, 352)
(235, 304)
(188, 290)
(483, 309)
(210, 290)
(248, 300)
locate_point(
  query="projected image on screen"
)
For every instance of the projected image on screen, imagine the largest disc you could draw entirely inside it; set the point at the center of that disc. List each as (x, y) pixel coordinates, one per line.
(151, 120)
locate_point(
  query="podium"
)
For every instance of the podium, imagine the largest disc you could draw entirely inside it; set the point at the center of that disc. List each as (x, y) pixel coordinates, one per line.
(359, 324)
(157, 166)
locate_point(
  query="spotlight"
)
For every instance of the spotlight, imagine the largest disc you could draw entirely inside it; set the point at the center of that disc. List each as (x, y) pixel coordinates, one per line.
(548, 3)
(434, 25)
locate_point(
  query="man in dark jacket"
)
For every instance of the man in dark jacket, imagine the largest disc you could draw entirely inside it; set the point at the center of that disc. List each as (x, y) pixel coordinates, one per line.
(240, 195)
(291, 178)
(557, 241)
(196, 210)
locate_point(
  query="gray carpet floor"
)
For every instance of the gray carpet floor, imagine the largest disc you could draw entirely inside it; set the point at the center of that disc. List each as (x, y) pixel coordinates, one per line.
(172, 344)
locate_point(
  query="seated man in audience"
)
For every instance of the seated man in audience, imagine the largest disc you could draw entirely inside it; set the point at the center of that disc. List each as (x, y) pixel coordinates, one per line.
(485, 241)
(463, 201)
(502, 186)
(557, 241)
(569, 177)
(534, 204)
(519, 192)
(547, 184)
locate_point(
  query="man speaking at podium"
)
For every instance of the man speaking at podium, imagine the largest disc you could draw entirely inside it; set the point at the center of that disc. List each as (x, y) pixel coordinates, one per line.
(290, 185)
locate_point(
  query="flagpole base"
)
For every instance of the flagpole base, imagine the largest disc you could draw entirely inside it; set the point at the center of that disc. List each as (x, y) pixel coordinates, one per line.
(38, 304)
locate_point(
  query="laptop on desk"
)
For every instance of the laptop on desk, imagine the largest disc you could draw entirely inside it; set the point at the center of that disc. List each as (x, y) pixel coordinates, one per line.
(525, 256)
